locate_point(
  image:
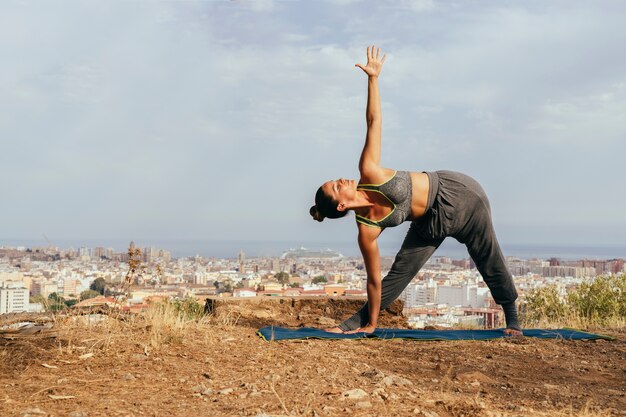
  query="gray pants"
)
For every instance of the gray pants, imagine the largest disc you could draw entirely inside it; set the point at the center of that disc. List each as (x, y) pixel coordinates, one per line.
(457, 207)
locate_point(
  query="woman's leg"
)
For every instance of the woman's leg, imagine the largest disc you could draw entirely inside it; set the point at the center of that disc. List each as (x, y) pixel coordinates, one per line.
(484, 249)
(412, 256)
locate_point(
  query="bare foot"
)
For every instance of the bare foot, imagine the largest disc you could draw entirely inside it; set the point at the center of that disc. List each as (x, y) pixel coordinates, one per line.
(365, 329)
(333, 330)
(513, 332)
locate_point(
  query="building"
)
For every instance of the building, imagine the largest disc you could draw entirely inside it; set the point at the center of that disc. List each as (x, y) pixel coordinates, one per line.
(13, 298)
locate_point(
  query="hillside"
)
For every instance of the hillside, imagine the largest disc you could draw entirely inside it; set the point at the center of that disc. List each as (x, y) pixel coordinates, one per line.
(160, 365)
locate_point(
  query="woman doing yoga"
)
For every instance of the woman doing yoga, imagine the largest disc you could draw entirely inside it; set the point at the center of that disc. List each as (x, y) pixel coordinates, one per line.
(438, 204)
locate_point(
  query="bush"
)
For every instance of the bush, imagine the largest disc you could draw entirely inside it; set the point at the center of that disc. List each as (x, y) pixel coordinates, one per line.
(602, 299)
(544, 304)
(189, 308)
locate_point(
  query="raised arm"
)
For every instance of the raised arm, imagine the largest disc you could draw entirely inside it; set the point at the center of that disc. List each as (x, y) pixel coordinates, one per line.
(370, 157)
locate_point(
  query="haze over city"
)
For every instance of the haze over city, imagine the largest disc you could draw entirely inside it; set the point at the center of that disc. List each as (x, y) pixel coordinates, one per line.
(218, 120)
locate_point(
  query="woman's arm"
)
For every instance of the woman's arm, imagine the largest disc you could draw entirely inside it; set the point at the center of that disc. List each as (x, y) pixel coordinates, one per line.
(370, 157)
(368, 243)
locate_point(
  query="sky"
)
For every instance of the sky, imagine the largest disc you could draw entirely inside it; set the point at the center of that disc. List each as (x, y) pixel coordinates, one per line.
(218, 120)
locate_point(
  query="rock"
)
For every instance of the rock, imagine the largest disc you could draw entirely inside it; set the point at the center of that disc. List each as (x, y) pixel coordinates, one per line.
(373, 373)
(387, 381)
(199, 388)
(354, 394)
(475, 384)
(226, 391)
(33, 412)
(395, 380)
(550, 386)
(207, 391)
(474, 376)
(129, 377)
(77, 414)
(380, 393)
(364, 404)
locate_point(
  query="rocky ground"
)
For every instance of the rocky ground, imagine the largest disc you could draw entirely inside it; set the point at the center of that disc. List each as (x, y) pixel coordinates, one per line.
(160, 366)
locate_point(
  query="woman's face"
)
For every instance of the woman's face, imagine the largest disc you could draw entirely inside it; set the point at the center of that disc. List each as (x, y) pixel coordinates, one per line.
(341, 190)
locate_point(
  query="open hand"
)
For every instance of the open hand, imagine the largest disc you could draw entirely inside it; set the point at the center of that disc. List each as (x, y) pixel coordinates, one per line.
(374, 62)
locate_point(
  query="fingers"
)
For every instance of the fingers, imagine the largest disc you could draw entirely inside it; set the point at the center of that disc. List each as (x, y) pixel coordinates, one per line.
(382, 61)
(373, 54)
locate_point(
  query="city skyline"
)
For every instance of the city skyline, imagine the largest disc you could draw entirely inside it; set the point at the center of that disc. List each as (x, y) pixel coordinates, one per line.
(217, 121)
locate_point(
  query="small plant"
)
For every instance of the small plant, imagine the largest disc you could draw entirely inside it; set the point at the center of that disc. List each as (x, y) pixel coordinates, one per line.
(189, 308)
(544, 303)
(600, 300)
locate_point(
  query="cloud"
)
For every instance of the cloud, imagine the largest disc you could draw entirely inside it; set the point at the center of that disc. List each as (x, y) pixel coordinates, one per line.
(225, 113)
(591, 120)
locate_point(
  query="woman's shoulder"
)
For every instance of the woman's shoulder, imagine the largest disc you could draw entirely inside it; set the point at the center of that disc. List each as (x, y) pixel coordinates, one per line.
(376, 175)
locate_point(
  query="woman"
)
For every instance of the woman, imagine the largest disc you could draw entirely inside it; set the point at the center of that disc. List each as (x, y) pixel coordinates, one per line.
(438, 204)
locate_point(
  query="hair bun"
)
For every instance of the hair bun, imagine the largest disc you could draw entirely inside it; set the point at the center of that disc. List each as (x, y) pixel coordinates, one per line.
(316, 214)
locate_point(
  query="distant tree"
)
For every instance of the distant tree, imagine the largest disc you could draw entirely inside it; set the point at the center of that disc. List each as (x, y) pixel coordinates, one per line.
(71, 302)
(319, 279)
(294, 285)
(98, 285)
(282, 277)
(55, 298)
(57, 307)
(87, 294)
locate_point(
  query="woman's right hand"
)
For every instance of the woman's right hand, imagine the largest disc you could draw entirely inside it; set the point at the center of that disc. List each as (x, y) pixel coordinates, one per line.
(374, 62)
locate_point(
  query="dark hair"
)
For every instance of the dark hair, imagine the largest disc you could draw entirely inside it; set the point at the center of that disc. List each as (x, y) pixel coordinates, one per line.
(325, 207)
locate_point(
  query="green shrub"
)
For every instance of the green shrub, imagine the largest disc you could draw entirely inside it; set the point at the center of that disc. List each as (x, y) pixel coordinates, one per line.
(602, 299)
(189, 308)
(542, 304)
(597, 302)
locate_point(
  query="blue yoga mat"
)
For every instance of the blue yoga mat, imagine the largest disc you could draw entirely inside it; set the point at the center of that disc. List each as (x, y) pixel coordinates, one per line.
(281, 333)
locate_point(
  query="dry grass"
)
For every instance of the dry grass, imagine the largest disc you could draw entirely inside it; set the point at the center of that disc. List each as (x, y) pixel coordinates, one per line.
(165, 363)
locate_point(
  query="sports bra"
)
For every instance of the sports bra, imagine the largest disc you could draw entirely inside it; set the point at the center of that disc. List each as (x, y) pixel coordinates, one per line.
(398, 191)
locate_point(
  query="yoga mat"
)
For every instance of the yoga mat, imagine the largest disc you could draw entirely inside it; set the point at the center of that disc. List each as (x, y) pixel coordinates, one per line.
(281, 333)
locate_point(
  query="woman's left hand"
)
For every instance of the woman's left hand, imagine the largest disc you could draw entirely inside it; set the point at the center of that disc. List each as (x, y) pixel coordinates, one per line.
(365, 329)
(374, 62)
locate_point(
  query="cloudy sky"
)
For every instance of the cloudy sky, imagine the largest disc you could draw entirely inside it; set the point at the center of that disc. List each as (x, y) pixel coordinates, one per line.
(219, 119)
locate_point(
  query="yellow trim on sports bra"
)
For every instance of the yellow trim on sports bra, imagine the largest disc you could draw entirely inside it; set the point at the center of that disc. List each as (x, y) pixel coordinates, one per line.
(358, 220)
(378, 185)
(388, 214)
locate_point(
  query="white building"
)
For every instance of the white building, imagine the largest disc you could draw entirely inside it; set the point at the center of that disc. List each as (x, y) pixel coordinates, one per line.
(419, 293)
(13, 298)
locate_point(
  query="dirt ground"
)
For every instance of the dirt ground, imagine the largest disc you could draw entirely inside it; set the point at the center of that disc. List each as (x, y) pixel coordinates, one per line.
(155, 366)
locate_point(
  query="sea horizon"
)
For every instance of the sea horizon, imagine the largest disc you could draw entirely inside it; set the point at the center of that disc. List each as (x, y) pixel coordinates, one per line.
(228, 249)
